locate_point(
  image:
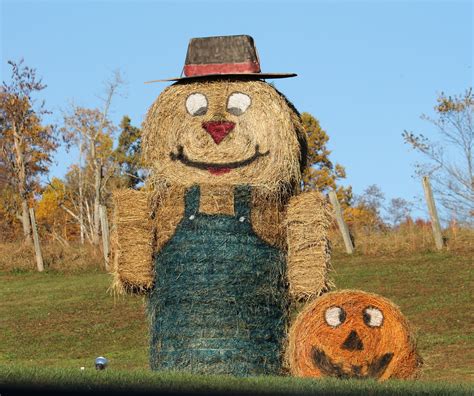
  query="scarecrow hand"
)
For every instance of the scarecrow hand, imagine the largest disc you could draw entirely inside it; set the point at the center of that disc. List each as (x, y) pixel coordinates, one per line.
(131, 242)
(307, 222)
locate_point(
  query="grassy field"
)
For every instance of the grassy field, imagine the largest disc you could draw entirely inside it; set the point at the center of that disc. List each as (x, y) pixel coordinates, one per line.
(57, 320)
(177, 383)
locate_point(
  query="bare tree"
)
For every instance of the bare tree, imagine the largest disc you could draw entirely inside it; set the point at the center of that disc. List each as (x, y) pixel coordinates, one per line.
(370, 204)
(450, 162)
(372, 198)
(91, 131)
(111, 88)
(398, 210)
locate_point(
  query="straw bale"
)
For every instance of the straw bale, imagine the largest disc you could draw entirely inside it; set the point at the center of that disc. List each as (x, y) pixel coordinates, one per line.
(214, 279)
(269, 127)
(268, 214)
(307, 220)
(352, 334)
(131, 242)
(168, 212)
(217, 200)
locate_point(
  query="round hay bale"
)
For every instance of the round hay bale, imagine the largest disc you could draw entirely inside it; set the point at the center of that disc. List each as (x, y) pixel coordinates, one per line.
(352, 334)
(266, 149)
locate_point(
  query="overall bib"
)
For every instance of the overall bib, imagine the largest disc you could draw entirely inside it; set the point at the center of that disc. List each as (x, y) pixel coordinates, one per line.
(219, 302)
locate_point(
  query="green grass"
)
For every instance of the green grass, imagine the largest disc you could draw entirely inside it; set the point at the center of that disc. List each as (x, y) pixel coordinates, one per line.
(51, 324)
(141, 380)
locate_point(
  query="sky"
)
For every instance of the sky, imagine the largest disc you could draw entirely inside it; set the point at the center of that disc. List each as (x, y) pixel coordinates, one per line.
(367, 70)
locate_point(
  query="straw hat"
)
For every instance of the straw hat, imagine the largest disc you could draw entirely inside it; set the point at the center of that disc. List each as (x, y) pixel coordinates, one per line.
(230, 56)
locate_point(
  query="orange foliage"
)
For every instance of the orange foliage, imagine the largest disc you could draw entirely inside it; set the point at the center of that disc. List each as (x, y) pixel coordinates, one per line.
(50, 216)
(362, 217)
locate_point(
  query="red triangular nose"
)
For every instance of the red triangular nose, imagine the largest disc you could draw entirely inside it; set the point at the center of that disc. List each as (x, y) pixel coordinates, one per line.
(218, 129)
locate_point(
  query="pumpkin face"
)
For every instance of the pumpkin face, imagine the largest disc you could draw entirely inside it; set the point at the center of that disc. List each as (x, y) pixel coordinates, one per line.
(352, 334)
(223, 132)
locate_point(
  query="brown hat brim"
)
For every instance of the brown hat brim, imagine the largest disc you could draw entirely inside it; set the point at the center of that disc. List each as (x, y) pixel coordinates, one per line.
(253, 76)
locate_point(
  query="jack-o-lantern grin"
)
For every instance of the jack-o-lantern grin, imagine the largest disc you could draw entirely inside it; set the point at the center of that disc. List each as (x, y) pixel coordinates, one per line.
(214, 168)
(352, 334)
(328, 367)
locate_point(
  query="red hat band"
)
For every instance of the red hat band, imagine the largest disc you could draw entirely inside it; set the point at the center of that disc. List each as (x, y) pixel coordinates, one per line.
(221, 68)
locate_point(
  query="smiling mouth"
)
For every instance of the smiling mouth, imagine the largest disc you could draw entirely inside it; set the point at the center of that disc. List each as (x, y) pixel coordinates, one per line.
(327, 367)
(216, 169)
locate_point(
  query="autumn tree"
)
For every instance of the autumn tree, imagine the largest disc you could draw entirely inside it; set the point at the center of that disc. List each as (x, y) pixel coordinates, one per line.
(127, 155)
(322, 174)
(56, 223)
(370, 212)
(26, 146)
(8, 206)
(449, 154)
(366, 211)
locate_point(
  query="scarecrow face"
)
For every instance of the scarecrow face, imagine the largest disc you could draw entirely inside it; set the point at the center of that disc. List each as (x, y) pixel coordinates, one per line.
(222, 132)
(352, 335)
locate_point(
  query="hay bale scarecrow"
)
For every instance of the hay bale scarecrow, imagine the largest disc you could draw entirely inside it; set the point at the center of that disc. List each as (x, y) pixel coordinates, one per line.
(352, 334)
(220, 238)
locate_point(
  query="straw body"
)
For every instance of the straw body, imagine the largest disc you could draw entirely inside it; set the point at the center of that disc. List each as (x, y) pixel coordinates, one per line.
(221, 234)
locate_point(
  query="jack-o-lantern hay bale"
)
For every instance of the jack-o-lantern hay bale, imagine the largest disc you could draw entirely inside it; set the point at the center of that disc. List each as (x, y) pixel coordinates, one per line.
(352, 334)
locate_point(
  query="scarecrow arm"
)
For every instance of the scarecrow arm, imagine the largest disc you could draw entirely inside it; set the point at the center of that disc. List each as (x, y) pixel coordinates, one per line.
(307, 223)
(132, 242)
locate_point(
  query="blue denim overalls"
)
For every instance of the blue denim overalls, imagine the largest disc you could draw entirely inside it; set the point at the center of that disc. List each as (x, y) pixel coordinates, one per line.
(219, 302)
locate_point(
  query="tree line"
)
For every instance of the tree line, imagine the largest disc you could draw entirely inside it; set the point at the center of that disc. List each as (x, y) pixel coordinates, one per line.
(108, 157)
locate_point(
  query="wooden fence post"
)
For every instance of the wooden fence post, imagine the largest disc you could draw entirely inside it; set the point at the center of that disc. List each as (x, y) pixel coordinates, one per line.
(433, 213)
(104, 224)
(39, 256)
(340, 222)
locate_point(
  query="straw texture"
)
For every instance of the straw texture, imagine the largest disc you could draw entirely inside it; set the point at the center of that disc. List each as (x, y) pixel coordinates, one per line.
(219, 222)
(308, 220)
(269, 127)
(131, 242)
(352, 334)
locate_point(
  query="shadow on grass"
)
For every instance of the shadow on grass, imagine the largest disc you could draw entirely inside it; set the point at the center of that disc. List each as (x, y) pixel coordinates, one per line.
(21, 380)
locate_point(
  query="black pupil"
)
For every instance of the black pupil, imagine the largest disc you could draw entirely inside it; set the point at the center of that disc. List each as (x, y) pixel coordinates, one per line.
(366, 318)
(201, 111)
(342, 315)
(235, 111)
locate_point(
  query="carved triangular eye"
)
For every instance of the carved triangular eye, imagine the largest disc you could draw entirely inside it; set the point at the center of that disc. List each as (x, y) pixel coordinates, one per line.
(334, 316)
(196, 104)
(238, 103)
(373, 317)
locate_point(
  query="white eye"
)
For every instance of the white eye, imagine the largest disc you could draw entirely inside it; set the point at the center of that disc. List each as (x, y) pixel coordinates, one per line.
(238, 103)
(334, 316)
(196, 104)
(373, 317)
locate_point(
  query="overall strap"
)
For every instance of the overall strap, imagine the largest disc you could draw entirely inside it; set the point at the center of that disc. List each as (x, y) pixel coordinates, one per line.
(191, 201)
(242, 201)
